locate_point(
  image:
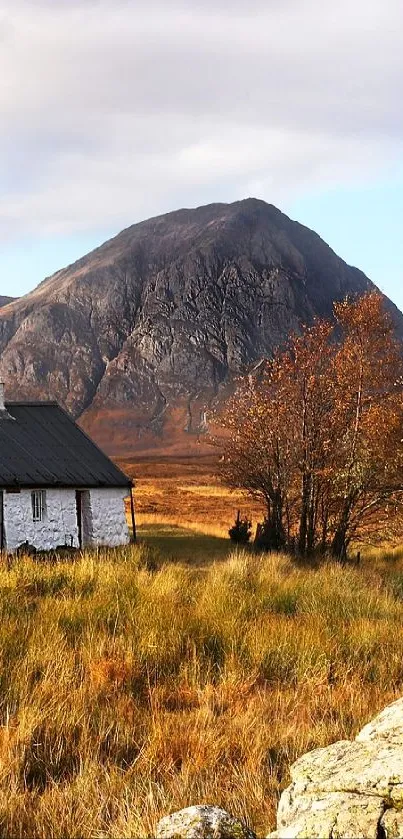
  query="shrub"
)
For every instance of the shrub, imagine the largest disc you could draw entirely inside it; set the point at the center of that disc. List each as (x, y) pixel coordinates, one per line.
(241, 531)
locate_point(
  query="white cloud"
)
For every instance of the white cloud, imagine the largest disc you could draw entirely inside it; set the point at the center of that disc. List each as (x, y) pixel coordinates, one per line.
(113, 110)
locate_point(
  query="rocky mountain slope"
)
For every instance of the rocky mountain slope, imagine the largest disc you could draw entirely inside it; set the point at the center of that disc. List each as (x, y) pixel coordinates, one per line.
(5, 300)
(141, 335)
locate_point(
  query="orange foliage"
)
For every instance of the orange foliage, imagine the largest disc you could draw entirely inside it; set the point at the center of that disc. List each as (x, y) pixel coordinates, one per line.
(317, 434)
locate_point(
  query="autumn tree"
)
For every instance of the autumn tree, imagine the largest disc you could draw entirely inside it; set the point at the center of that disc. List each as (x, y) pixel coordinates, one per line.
(256, 453)
(307, 386)
(316, 432)
(275, 437)
(367, 462)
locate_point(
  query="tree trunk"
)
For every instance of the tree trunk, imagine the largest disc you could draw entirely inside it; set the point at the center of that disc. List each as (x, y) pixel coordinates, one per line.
(323, 542)
(277, 520)
(303, 521)
(340, 540)
(312, 519)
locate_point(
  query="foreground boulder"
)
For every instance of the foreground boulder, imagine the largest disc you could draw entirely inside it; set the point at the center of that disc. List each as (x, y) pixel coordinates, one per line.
(349, 789)
(202, 822)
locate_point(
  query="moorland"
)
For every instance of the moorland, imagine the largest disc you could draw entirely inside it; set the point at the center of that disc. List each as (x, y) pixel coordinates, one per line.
(180, 670)
(187, 492)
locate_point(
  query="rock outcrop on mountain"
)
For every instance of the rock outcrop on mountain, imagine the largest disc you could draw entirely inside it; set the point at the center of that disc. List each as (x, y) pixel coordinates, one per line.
(140, 337)
(5, 300)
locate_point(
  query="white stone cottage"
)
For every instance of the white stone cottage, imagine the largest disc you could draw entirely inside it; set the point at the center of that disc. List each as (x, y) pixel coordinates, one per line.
(56, 486)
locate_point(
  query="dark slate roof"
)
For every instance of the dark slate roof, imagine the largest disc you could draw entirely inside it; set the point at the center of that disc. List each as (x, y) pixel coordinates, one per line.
(41, 446)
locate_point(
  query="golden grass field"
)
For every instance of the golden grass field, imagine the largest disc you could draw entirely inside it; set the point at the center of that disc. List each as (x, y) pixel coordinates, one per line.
(132, 686)
(178, 671)
(187, 492)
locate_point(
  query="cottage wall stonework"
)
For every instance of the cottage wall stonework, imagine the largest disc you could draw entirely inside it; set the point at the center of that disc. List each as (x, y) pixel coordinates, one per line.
(58, 526)
(106, 519)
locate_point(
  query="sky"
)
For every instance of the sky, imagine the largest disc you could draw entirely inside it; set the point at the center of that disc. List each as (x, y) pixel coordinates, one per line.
(112, 111)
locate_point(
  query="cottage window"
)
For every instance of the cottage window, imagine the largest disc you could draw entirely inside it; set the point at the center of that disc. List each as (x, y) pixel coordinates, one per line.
(38, 499)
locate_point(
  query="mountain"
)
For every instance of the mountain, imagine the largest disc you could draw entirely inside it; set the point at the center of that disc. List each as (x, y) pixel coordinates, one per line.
(140, 336)
(5, 300)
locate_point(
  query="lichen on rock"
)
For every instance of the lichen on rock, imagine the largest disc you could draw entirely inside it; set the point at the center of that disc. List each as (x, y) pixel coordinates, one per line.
(202, 822)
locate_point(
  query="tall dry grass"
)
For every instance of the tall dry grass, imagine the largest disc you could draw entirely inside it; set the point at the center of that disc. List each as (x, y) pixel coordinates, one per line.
(130, 687)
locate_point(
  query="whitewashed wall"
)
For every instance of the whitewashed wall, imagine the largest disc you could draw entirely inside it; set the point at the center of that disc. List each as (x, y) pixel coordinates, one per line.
(60, 521)
(109, 525)
(106, 519)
